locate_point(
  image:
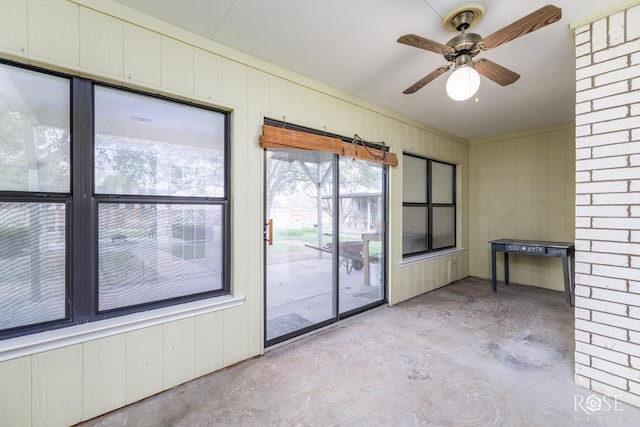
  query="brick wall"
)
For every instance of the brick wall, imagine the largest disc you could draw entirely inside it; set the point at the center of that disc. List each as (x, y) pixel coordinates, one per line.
(607, 302)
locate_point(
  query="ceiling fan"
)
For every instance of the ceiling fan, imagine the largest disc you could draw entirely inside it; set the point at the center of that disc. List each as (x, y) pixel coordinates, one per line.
(460, 50)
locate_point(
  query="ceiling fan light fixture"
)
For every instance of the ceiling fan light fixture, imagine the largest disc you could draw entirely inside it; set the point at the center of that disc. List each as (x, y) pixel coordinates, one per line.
(463, 83)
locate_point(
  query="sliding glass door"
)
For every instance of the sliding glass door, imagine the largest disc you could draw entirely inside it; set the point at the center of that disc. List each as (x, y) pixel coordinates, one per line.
(324, 240)
(300, 289)
(361, 228)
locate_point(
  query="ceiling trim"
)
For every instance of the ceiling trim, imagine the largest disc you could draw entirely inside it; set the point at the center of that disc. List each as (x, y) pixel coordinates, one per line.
(528, 132)
(628, 4)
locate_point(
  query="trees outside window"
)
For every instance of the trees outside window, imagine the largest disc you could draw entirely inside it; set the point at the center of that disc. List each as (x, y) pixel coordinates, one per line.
(111, 201)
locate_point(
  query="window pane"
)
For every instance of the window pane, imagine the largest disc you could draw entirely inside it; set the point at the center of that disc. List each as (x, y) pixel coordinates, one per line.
(414, 179)
(442, 178)
(360, 248)
(444, 221)
(150, 146)
(152, 252)
(32, 263)
(414, 229)
(34, 131)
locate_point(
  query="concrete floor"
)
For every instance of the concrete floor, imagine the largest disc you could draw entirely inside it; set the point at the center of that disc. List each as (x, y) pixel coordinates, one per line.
(458, 356)
(303, 289)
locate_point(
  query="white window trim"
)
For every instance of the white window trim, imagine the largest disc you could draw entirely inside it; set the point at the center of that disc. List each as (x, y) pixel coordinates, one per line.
(430, 256)
(26, 345)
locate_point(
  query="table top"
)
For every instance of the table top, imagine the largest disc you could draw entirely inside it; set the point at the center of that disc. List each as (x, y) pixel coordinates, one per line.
(533, 243)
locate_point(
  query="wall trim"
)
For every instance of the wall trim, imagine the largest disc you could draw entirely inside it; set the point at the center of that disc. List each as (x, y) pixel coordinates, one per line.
(50, 340)
(431, 256)
(628, 4)
(529, 132)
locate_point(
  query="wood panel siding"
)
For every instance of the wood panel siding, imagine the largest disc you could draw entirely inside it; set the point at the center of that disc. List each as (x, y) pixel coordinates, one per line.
(101, 43)
(107, 42)
(522, 187)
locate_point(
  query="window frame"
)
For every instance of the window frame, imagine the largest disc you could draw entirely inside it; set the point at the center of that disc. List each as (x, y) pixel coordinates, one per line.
(430, 205)
(81, 228)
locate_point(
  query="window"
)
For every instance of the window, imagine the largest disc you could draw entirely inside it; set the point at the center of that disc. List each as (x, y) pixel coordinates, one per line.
(35, 120)
(428, 205)
(111, 201)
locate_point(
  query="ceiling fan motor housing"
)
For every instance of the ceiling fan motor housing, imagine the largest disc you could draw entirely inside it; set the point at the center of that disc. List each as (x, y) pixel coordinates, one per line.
(462, 60)
(464, 44)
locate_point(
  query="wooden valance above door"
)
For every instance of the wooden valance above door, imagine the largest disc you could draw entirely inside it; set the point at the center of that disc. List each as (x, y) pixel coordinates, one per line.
(279, 137)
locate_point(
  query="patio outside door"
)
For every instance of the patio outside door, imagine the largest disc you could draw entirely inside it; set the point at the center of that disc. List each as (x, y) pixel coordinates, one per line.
(323, 240)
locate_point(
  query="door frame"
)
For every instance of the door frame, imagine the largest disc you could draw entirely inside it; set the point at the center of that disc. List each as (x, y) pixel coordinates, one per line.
(335, 227)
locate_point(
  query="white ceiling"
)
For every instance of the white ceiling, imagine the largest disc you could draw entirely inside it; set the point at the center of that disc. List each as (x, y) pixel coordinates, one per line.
(351, 45)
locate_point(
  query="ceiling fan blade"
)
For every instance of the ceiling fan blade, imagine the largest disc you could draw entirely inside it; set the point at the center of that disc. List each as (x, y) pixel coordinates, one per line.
(426, 79)
(534, 21)
(499, 74)
(426, 44)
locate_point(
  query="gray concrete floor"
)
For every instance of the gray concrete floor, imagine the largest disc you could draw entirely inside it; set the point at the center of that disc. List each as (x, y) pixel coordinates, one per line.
(458, 356)
(303, 289)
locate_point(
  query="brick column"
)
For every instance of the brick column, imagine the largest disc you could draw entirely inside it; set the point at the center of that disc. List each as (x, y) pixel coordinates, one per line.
(607, 306)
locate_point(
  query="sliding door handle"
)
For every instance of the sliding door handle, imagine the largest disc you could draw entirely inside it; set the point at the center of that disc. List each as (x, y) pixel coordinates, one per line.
(268, 232)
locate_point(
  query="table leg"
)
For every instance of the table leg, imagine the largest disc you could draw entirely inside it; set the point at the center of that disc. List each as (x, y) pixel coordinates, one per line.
(506, 268)
(493, 268)
(567, 284)
(573, 272)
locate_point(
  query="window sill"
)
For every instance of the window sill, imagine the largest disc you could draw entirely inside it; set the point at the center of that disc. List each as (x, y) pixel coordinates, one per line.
(430, 257)
(36, 343)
